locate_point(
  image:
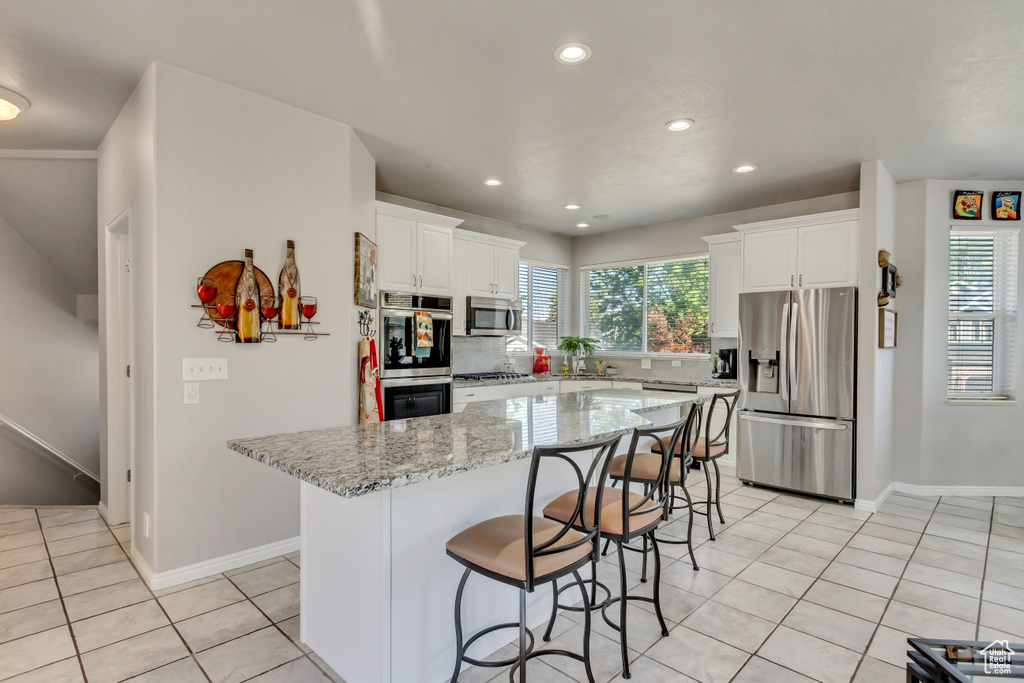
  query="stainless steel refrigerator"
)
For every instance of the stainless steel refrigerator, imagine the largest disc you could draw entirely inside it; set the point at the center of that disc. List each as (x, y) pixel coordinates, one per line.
(798, 378)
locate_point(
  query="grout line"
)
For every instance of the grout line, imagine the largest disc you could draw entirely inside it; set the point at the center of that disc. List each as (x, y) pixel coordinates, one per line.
(984, 569)
(273, 624)
(63, 606)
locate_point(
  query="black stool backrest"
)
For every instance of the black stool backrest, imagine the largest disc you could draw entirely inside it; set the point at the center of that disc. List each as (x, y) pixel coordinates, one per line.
(721, 438)
(657, 495)
(603, 452)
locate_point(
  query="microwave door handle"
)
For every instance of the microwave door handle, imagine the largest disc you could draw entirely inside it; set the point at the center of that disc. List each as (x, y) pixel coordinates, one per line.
(783, 355)
(510, 319)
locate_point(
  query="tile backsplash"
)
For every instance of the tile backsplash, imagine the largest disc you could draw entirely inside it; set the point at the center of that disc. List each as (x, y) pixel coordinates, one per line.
(487, 354)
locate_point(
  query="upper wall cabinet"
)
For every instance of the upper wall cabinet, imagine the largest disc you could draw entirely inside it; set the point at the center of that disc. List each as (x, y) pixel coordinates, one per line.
(724, 281)
(415, 251)
(800, 253)
(485, 266)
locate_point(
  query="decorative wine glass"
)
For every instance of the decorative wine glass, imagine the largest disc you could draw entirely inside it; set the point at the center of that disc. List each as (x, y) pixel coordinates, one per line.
(307, 305)
(226, 309)
(269, 306)
(206, 288)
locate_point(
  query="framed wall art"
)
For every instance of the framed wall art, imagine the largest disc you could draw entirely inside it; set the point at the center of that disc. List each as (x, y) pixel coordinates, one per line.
(366, 272)
(1006, 206)
(887, 328)
(967, 204)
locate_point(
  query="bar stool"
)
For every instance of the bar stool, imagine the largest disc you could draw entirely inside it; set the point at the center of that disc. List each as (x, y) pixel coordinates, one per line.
(708, 449)
(625, 515)
(526, 551)
(645, 471)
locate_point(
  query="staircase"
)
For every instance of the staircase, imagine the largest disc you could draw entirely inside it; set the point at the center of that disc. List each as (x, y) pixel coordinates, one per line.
(33, 472)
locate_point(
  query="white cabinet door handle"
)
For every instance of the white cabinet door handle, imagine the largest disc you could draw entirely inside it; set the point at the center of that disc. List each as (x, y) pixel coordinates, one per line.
(801, 279)
(790, 280)
(414, 279)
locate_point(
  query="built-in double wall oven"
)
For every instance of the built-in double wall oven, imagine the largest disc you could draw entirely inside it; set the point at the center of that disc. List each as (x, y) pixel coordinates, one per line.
(416, 380)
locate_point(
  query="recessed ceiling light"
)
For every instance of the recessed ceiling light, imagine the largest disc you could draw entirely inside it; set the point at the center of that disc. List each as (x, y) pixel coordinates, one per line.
(745, 168)
(583, 225)
(492, 182)
(572, 53)
(677, 125)
(572, 207)
(439, 166)
(11, 104)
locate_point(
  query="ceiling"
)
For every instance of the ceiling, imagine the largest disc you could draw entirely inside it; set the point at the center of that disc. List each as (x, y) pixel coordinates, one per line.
(805, 89)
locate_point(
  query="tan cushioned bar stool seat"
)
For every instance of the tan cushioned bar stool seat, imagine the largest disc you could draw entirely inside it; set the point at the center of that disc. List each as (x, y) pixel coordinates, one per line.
(561, 508)
(700, 449)
(646, 468)
(497, 545)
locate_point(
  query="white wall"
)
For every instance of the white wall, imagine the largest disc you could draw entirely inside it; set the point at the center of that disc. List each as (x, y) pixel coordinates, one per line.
(49, 382)
(234, 170)
(937, 444)
(874, 365)
(540, 245)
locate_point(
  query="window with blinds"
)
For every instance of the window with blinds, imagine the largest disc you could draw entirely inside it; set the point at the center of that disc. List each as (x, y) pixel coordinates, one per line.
(541, 289)
(982, 331)
(650, 308)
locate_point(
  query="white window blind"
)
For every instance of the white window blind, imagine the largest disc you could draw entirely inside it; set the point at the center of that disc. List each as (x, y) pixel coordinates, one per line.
(650, 308)
(542, 291)
(982, 332)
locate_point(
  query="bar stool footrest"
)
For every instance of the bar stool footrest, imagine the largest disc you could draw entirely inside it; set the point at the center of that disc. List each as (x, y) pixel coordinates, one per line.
(492, 629)
(540, 653)
(609, 603)
(584, 608)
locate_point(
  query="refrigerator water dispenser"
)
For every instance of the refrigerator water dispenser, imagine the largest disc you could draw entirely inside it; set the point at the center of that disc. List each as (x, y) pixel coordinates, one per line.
(764, 370)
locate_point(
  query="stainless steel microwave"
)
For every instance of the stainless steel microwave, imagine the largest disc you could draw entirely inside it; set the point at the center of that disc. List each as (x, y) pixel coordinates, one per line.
(493, 317)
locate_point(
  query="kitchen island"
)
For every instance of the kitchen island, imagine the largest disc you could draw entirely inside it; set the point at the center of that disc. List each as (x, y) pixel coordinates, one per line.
(379, 502)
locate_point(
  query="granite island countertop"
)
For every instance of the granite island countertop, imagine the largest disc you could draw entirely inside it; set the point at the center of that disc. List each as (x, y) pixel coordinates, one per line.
(356, 460)
(704, 382)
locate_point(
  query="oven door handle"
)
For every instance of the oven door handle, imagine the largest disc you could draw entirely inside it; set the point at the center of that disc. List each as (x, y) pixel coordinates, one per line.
(410, 382)
(407, 313)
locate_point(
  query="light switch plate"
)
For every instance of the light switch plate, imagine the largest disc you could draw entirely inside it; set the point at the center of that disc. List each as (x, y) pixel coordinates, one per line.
(191, 393)
(645, 363)
(200, 369)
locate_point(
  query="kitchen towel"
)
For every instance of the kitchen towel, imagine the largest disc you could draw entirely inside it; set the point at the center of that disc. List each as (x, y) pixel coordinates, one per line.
(424, 330)
(369, 382)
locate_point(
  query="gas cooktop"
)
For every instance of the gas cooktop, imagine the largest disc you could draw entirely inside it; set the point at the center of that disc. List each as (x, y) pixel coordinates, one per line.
(491, 375)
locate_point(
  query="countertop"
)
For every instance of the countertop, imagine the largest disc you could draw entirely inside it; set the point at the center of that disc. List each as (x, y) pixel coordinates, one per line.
(353, 461)
(708, 382)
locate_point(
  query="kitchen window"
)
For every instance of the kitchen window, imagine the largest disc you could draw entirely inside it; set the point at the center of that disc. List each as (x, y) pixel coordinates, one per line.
(657, 307)
(543, 291)
(982, 332)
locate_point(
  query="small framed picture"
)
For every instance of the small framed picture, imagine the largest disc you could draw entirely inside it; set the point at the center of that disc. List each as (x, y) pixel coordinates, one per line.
(967, 205)
(1006, 206)
(366, 272)
(886, 328)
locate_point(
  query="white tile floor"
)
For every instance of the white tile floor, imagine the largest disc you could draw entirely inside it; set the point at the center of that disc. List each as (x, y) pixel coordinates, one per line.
(73, 610)
(793, 590)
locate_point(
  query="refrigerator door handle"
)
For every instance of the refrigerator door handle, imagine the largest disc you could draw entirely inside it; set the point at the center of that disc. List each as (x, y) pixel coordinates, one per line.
(783, 355)
(833, 426)
(794, 366)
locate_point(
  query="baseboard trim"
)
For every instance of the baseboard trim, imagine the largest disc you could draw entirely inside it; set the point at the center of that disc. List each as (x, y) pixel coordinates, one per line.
(873, 505)
(102, 507)
(1004, 491)
(217, 565)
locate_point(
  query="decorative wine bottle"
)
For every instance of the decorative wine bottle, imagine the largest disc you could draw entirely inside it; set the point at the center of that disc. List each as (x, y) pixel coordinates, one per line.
(247, 308)
(289, 291)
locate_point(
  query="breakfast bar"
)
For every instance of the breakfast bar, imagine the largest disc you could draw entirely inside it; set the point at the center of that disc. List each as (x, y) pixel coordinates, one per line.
(379, 501)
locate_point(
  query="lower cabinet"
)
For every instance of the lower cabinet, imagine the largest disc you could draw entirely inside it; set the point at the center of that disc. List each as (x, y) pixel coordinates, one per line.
(625, 384)
(466, 395)
(567, 385)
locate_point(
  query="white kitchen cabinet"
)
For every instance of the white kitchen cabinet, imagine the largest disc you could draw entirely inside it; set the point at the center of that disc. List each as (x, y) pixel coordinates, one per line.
(725, 275)
(798, 253)
(479, 268)
(770, 260)
(463, 396)
(490, 266)
(623, 384)
(415, 251)
(506, 272)
(567, 385)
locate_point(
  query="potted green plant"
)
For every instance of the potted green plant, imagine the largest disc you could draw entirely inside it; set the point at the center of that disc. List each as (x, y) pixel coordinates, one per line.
(578, 347)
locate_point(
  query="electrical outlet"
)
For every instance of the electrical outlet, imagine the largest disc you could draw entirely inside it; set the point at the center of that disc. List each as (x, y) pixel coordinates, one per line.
(191, 393)
(145, 524)
(677, 363)
(645, 363)
(200, 369)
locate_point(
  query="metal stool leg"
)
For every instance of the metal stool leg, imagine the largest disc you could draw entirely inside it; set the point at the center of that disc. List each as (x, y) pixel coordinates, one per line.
(586, 627)
(718, 489)
(643, 571)
(554, 611)
(707, 476)
(622, 612)
(458, 627)
(522, 635)
(657, 584)
(689, 528)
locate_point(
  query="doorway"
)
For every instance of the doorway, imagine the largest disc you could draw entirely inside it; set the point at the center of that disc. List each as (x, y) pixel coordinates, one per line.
(120, 433)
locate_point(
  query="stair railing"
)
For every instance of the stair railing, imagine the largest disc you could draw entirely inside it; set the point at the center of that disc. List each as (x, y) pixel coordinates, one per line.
(81, 470)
